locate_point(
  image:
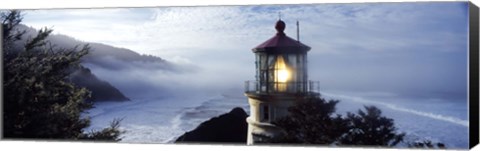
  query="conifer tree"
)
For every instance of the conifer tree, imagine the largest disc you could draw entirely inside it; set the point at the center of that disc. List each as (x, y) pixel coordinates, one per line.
(314, 121)
(370, 128)
(39, 100)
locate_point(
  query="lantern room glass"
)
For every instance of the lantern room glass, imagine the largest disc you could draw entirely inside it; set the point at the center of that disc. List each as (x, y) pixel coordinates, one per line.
(281, 73)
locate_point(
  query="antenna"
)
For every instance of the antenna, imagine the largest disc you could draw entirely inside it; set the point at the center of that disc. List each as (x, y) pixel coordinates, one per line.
(279, 15)
(298, 31)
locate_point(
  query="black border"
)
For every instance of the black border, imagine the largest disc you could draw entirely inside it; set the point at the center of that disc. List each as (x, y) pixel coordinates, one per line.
(473, 76)
(473, 96)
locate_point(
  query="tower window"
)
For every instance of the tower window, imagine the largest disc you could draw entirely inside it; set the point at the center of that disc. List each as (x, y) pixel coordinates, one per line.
(265, 113)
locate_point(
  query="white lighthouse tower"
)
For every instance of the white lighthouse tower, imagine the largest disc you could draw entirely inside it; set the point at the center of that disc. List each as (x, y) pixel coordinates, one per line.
(281, 80)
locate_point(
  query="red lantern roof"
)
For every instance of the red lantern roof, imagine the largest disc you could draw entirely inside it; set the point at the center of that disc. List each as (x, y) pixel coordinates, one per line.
(281, 42)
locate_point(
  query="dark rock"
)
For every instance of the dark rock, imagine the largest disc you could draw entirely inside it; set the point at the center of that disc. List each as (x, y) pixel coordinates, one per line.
(226, 128)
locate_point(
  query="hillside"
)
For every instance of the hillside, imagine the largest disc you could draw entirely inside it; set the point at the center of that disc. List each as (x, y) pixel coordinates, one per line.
(101, 90)
(103, 58)
(103, 55)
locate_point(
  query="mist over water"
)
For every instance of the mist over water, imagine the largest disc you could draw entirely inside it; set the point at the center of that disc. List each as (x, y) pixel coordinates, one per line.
(145, 83)
(167, 103)
(408, 59)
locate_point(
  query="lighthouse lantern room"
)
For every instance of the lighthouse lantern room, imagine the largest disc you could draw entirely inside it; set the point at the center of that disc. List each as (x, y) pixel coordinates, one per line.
(281, 80)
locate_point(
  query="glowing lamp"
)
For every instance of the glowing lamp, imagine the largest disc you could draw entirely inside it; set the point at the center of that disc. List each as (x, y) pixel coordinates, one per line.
(281, 80)
(281, 72)
(281, 64)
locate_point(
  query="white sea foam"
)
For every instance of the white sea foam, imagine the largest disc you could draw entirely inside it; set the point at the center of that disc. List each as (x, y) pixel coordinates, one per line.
(450, 119)
(436, 121)
(162, 121)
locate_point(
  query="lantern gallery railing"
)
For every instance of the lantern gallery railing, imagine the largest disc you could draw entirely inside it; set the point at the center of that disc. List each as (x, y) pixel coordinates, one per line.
(282, 87)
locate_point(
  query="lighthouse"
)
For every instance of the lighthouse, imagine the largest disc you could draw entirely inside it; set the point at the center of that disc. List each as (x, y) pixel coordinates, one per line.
(281, 80)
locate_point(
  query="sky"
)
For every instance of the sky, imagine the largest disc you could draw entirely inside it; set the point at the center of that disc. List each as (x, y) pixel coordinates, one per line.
(409, 49)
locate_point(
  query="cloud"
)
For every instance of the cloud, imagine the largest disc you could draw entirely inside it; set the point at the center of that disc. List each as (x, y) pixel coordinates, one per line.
(370, 46)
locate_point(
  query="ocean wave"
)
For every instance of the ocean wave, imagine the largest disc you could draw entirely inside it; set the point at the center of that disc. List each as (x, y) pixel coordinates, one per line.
(417, 124)
(445, 118)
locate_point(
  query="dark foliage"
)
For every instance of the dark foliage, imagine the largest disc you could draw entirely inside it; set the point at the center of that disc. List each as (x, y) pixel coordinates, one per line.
(39, 100)
(313, 122)
(9, 21)
(111, 133)
(369, 127)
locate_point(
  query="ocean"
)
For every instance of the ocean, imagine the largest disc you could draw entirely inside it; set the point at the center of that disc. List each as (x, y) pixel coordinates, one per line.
(163, 120)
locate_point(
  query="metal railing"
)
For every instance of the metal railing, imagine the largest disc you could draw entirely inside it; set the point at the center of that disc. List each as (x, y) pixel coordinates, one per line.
(282, 87)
